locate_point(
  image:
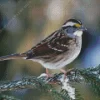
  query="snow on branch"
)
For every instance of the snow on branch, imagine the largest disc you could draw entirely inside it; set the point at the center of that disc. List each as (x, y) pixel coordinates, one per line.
(90, 76)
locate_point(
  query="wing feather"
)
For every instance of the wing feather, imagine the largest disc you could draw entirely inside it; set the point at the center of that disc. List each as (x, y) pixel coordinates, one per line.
(53, 45)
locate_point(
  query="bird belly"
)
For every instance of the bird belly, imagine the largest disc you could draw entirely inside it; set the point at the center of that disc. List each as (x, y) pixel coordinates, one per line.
(63, 59)
(60, 60)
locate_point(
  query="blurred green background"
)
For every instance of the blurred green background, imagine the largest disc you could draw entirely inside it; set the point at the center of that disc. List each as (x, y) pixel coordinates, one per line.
(23, 23)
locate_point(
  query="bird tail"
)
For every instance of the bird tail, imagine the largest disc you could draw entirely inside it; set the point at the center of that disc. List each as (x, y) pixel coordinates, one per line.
(13, 56)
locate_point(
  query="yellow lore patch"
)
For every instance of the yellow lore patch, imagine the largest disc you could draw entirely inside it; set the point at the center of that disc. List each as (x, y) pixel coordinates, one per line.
(78, 25)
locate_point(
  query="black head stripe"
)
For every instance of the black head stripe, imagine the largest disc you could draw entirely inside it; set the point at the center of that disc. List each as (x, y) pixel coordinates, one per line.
(74, 21)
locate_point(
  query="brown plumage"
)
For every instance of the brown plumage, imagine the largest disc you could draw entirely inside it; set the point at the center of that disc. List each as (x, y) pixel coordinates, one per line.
(58, 49)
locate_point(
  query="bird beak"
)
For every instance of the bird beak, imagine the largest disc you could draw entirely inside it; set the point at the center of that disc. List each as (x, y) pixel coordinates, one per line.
(82, 28)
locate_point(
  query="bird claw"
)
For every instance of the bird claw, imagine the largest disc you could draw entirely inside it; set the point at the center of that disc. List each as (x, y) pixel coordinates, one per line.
(66, 72)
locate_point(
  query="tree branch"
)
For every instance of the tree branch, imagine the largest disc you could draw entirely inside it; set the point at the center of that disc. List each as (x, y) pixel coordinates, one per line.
(6, 97)
(90, 75)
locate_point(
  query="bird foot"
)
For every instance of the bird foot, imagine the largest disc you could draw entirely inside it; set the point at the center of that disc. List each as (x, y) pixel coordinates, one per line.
(49, 76)
(65, 72)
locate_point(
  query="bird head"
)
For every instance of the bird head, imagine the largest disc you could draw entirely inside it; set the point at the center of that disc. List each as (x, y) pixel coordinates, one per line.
(73, 28)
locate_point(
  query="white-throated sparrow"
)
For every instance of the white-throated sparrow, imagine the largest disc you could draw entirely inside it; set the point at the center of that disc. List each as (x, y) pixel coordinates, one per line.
(58, 49)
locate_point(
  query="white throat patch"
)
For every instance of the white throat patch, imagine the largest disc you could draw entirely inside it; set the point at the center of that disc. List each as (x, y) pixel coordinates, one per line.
(78, 33)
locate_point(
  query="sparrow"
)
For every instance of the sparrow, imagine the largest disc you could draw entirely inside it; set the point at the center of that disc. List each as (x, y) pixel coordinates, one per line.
(58, 49)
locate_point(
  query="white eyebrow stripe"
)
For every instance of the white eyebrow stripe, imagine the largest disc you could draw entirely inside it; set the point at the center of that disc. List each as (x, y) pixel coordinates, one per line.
(79, 21)
(68, 24)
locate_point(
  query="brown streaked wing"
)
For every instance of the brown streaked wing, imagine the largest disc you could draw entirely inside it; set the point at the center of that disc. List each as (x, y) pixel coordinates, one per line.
(53, 45)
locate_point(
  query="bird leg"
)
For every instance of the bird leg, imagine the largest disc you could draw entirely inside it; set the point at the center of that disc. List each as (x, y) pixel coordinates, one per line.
(49, 76)
(47, 72)
(65, 72)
